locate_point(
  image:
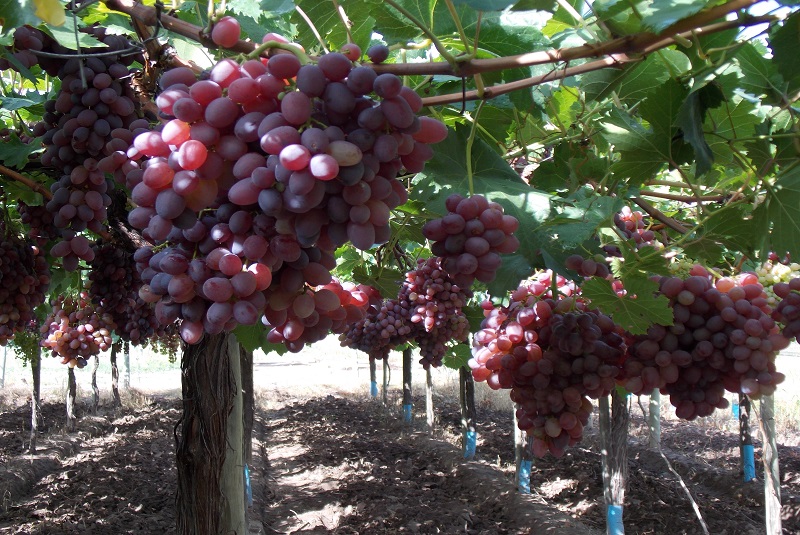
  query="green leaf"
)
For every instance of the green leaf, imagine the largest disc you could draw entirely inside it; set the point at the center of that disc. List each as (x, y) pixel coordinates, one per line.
(327, 21)
(457, 357)
(486, 5)
(644, 152)
(17, 103)
(579, 222)
(65, 36)
(732, 228)
(732, 120)
(273, 8)
(781, 208)
(760, 77)
(251, 337)
(16, 13)
(658, 15)
(785, 42)
(639, 263)
(691, 116)
(634, 314)
(14, 153)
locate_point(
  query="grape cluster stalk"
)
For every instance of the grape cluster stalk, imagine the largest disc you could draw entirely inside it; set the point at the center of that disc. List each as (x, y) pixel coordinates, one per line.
(260, 170)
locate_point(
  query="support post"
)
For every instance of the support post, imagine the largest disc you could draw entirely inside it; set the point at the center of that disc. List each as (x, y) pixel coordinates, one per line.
(772, 477)
(126, 379)
(467, 399)
(115, 374)
(614, 443)
(746, 440)
(407, 414)
(3, 377)
(522, 457)
(654, 420)
(95, 390)
(373, 378)
(71, 394)
(429, 416)
(385, 386)
(36, 396)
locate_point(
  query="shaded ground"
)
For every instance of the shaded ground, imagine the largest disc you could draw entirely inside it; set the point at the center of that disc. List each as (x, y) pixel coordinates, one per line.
(347, 465)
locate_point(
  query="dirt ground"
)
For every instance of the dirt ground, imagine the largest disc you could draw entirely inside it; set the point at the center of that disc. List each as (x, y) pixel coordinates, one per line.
(345, 464)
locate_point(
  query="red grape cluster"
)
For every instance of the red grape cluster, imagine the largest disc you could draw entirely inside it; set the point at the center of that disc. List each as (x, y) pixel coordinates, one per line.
(554, 355)
(633, 226)
(39, 221)
(114, 284)
(386, 325)
(722, 338)
(251, 181)
(588, 267)
(24, 278)
(75, 331)
(471, 238)
(436, 305)
(787, 311)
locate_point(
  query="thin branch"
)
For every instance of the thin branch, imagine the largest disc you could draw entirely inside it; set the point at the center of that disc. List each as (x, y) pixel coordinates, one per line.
(346, 21)
(32, 185)
(312, 27)
(656, 214)
(685, 198)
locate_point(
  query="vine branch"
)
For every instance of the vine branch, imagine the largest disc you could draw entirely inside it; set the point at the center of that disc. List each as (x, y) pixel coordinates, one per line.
(656, 214)
(32, 185)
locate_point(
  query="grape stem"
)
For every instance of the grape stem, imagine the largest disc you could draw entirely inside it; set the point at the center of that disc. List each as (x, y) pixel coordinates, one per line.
(269, 45)
(342, 15)
(659, 216)
(687, 198)
(33, 186)
(460, 27)
(312, 27)
(428, 33)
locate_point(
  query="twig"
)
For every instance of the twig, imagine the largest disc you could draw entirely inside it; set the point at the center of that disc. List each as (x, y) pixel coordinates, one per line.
(684, 198)
(313, 28)
(653, 212)
(342, 15)
(34, 186)
(686, 490)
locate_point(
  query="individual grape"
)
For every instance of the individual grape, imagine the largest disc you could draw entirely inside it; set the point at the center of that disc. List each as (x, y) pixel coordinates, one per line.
(378, 53)
(226, 32)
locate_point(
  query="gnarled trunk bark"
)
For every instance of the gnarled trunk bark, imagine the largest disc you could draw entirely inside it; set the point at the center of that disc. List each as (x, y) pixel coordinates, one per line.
(210, 497)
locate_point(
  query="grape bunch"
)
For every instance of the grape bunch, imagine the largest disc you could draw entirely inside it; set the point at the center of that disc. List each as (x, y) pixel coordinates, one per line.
(773, 272)
(633, 226)
(722, 338)
(75, 331)
(787, 310)
(385, 326)
(588, 267)
(39, 222)
(553, 355)
(24, 279)
(113, 286)
(471, 238)
(435, 303)
(253, 182)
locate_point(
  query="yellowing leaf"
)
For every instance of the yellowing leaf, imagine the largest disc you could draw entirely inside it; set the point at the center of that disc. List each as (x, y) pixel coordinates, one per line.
(50, 11)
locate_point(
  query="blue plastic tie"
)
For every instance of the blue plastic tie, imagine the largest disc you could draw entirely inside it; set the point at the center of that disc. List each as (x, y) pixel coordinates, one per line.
(735, 407)
(524, 477)
(471, 444)
(373, 388)
(614, 520)
(247, 488)
(749, 462)
(407, 412)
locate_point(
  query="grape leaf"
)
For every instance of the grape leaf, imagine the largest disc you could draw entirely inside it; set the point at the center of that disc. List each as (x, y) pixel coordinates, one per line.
(14, 153)
(643, 152)
(784, 42)
(457, 356)
(781, 206)
(252, 337)
(639, 263)
(327, 21)
(18, 103)
(16, 13)
(634, 314)
(658, 15)
(65, 35)
(50, 11)
(486, 5)
(691, 116)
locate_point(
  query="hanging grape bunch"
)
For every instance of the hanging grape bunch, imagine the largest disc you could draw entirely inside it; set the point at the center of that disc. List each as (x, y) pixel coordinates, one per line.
(723, 338)
(260, 172)
(553, 354)
(24, 278)
(471, 238)
(75, 331)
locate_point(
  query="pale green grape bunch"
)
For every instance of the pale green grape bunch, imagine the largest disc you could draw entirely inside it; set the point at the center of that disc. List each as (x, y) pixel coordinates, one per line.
(771, 273)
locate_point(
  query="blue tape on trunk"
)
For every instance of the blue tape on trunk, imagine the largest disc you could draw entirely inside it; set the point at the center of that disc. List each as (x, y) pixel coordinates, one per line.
(471, 444)
(247, 488)
(373, 388)
(749, 462)
(524, 477)
(407, 413)
(735, 411)
(614, 520)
